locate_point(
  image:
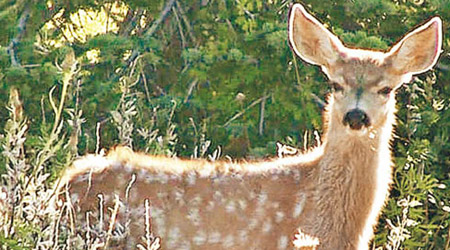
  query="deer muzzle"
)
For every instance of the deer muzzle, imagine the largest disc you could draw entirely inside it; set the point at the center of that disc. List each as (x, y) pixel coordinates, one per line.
(356, 119)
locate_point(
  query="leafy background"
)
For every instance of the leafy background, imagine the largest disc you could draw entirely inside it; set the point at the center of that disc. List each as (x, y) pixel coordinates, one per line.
(202, 77)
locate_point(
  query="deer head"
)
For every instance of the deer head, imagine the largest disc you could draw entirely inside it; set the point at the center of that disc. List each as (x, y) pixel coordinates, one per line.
(364, 81)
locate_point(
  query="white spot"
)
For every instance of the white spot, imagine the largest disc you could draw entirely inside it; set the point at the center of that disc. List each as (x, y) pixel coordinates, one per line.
(74, 197)
(218, 196)
(82, 178)
(210, 206)
(162, 178)
(243, 236)
(282, 242)
(172, 237)
(214, 238)
(197, 200)
(260, 212)
(262, 198)
(267, 226)
(199, 238)
(194, 216)
(242, 204)
(230, 207)
(161, 194)
(299, 205)
(149, 178)
(279, 216)
(175, 177)
(275, 205)
(179, 193)
(128, 168)
(191, 178)
(142, 173)
(297, 175)
(160, 225)
(116, 166)
(253, 223)
(228, 241)
(156, 212)
(238, 177)
(185, 245)
(158, 218)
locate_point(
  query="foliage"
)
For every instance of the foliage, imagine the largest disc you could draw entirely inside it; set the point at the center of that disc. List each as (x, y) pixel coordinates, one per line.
(94, 74)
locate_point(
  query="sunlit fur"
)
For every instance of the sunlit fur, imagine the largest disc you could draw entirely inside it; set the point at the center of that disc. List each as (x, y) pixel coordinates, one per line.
(333, 192)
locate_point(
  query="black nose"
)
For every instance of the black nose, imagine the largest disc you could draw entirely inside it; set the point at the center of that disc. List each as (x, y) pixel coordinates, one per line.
(356, 119)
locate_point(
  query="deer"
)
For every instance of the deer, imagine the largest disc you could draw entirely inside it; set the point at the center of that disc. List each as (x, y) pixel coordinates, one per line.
(333, 192)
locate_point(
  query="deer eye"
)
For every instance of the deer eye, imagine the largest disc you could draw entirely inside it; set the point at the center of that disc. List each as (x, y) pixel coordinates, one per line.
(385, 91)
(337, 87)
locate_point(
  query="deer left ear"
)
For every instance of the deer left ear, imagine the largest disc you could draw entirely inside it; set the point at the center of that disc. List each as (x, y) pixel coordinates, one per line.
(418, 51)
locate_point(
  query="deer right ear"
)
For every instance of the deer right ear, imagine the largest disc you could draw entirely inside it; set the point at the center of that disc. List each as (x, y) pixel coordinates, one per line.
(310, 40)
(419, 50)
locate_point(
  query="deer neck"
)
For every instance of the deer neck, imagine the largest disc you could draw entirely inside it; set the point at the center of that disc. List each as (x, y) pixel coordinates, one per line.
(353, 178)
(366, 149)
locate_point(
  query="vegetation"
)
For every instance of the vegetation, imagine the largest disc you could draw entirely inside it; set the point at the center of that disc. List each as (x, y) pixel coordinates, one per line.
(199, 77)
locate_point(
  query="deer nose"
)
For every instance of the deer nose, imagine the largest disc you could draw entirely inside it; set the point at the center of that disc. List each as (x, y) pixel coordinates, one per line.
(356, 119)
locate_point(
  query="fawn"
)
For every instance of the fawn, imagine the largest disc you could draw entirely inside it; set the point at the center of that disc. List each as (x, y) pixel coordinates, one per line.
(334, 192)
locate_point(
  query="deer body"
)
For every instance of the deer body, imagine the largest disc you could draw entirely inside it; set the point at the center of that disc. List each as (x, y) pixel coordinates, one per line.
(334, 192)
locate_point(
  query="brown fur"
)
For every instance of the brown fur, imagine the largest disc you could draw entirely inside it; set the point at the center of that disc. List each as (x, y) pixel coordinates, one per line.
(334, 192)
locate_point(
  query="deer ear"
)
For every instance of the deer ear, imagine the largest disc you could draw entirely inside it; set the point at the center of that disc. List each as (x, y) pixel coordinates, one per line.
(419, 50)
(310, 40)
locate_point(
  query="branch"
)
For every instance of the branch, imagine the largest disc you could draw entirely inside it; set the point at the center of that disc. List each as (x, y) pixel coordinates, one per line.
(261, 116)
(183, 40)
(131, 22)
(20, 32)
(318, 101)
(160, 19)
(152, 29)
(186, 22)
(245, 110)
(191, 88)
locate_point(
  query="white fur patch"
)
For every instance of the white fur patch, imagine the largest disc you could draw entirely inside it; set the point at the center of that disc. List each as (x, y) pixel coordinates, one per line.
(279, 216)
(282, 242)
(299, 205)
(228, 241)
(200, 238)
(230, 207)
(214, 238)
(267, 226)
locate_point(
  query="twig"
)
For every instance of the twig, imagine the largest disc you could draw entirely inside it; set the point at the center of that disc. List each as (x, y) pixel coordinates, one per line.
(191, 88)
(20, 31)
(160, 19)
(107, 11)
(43, 110)
(112, 221)
(180, 28)
(443, 67)
(186, 22)
(261, 116)
(318, 101)
(144, 79)
(244, 110)
(151, 30)
(447, 242)
(31, 65)
(315, 98)
(97, 139)
(63, 33)
(126, 31)
(251, 15)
